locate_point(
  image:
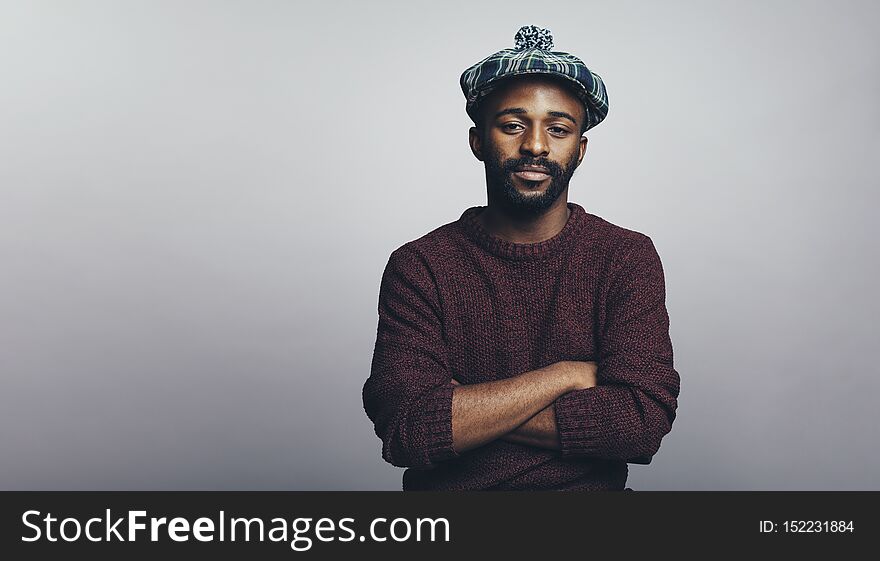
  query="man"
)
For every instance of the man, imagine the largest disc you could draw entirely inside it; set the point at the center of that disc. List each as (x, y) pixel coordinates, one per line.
(524, 346)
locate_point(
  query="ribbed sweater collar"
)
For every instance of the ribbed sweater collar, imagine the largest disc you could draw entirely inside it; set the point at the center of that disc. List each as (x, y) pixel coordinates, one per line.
(523, 251)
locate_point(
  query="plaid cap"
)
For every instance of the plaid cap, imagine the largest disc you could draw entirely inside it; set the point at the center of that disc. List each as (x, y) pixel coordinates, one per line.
(532, 55)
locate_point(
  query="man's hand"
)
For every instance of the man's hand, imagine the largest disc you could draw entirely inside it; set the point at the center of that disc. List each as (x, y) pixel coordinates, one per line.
(581, 373)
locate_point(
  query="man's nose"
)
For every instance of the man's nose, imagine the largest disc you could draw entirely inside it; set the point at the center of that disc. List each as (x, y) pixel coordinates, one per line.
(534, 143)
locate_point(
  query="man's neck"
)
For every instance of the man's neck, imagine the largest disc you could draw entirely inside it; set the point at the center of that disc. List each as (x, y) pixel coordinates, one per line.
(533, 229)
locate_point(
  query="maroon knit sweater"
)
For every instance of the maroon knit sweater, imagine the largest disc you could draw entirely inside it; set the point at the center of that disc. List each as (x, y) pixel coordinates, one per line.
(461, 303)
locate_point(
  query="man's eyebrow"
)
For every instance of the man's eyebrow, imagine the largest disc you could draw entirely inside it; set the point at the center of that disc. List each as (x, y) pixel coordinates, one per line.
(521, 111)
(562, 114)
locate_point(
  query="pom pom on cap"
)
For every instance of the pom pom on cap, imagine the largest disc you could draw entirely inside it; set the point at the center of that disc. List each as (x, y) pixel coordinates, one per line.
(533, 37)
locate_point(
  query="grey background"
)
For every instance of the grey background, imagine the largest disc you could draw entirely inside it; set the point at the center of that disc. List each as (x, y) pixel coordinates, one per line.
(197, 200)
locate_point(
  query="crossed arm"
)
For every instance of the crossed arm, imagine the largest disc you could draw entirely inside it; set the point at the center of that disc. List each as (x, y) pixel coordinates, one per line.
(481, 411)
(541, 430)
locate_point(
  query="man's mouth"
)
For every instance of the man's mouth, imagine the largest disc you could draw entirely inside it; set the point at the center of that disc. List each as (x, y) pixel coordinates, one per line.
(532, 173)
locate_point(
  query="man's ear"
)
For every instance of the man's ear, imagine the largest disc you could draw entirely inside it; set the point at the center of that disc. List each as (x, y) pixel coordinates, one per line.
(582, 146)
(476, 142)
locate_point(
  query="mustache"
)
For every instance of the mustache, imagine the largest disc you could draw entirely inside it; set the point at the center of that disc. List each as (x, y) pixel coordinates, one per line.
(509, 166)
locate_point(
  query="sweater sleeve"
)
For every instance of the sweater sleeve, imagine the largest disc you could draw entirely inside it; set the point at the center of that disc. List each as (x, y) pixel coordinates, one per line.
(633, 406)
(408, 395)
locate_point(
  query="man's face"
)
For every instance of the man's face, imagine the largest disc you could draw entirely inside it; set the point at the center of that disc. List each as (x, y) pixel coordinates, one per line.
(530, 121)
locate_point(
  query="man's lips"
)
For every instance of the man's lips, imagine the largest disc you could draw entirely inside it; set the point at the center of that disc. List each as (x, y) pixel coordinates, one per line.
(532, 174)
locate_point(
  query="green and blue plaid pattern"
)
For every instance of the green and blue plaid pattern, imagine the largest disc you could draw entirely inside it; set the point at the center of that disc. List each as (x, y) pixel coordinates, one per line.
(532, 55)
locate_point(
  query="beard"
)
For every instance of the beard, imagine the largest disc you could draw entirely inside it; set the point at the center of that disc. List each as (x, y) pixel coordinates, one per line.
(503, 192)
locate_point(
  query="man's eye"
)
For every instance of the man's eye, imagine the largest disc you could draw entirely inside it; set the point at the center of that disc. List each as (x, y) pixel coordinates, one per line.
(560, 130)
(508, 125)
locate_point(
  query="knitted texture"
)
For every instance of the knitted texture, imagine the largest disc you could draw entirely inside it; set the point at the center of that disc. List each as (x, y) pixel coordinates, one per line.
(461, 303)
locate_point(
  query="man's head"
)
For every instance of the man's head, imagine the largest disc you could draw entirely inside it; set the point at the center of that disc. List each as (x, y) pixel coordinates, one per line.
(527, 121)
